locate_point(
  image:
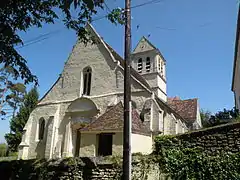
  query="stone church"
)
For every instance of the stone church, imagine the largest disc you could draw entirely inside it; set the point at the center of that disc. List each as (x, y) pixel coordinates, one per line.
(82, 113)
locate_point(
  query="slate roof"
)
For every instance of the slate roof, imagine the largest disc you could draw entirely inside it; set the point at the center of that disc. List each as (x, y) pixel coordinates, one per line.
(185, 108)
(112, 120)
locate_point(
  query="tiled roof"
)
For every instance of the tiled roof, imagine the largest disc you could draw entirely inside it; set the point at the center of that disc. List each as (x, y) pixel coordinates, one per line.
(112, 120)
(185, 108)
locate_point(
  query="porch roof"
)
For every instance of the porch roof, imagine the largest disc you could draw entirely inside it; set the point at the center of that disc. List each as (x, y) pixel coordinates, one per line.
(112, 120)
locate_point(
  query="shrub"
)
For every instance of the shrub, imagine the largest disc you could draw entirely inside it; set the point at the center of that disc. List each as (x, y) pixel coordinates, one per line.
(184, 163)
(3, 150)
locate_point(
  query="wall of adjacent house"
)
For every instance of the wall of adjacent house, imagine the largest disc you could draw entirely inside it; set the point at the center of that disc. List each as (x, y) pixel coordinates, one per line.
(141, 143)
(236, 87)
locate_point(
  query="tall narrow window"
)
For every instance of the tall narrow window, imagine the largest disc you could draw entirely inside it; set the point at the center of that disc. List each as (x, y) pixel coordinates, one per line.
(148, 64)
(41, 129)
(139, 65)
(87, 76)
(159, 65)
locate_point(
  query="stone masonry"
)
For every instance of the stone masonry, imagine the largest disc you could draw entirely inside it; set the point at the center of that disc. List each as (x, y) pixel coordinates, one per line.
(222, 138)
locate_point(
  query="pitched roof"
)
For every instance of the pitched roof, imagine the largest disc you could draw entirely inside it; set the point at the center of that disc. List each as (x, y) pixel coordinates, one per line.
(112, 120)
(185, 108)
(150, 44)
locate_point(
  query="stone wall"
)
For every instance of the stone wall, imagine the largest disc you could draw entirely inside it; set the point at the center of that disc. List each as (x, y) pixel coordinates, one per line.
(75, 168)
(222, 138)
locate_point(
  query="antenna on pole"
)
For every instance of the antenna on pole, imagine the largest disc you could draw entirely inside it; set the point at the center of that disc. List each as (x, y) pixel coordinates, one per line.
(127, 95)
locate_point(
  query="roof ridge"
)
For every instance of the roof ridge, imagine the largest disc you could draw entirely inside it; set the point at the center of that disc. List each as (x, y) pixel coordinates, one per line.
(182, 99)
(149, 42)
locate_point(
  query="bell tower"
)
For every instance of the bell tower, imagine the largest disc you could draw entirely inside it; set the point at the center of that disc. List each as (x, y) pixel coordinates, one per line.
(148, 61)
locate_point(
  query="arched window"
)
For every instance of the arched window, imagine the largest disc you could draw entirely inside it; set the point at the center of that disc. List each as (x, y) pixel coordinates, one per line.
(139, 65)
(148, 64)
(162, 64)
(41, 129)
(87, 76)
(159, 65)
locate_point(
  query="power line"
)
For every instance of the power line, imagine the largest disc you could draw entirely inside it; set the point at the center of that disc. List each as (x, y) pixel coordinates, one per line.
(39, 39)
(146, 3)
(132, 7)
(108, 9)
(25, 45)
(169, 29)
(44, 36)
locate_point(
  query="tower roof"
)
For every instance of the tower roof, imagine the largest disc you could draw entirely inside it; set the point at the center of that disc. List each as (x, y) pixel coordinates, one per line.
(145, 45)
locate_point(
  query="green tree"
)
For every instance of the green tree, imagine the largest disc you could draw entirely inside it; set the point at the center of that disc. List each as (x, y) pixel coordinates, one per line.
(221, 117)
(3, 150)
(11, 92)
(18, 122)
(205, 116)
(16, 16)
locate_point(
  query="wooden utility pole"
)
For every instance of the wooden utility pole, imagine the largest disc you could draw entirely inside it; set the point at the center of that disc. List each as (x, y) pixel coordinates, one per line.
(127, 95)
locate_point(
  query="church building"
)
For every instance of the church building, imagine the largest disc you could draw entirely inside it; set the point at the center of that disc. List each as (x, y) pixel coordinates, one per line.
(82, 113)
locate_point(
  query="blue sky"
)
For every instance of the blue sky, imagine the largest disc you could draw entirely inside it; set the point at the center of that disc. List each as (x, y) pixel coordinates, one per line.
(196, 38)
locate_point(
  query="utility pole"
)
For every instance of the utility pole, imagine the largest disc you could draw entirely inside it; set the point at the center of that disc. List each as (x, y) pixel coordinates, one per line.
(127, 95)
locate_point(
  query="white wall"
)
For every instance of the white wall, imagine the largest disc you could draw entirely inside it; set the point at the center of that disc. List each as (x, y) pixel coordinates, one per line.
(141, 144)
(199, 121)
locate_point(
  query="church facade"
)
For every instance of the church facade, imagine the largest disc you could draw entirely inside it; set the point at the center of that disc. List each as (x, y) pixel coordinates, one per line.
(82, 113)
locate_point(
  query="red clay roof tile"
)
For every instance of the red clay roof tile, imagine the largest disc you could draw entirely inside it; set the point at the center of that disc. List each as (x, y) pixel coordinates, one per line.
(185, 108)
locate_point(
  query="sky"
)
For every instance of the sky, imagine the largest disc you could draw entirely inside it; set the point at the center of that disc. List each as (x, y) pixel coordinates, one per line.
(196, 38)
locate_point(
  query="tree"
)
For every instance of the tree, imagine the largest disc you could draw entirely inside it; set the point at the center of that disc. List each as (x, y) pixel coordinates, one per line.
(11, 92)
(18, 122)
(21, 15)
(205, 116)
(3, 149)
(221, 117)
